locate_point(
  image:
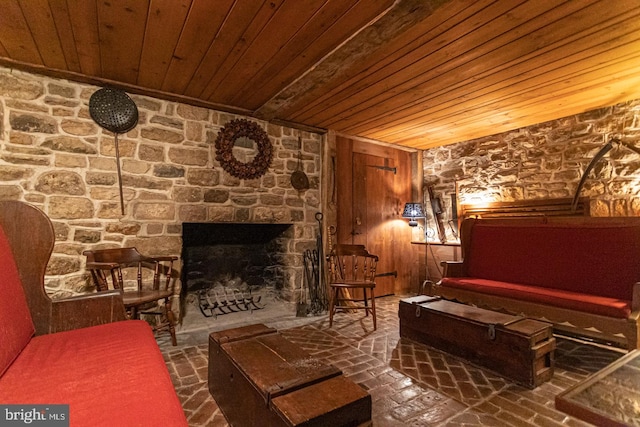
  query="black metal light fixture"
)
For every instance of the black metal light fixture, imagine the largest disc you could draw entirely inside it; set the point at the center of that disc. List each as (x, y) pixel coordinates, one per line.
(413, 211)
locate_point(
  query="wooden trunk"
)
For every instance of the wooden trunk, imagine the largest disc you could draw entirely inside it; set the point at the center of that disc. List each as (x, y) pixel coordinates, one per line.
(257, 377)
(517, 348)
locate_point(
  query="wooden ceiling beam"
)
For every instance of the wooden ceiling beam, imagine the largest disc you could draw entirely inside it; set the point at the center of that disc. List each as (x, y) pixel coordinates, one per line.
(337, 65)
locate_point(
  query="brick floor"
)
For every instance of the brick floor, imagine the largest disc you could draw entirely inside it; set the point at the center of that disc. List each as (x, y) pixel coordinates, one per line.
(410, 384)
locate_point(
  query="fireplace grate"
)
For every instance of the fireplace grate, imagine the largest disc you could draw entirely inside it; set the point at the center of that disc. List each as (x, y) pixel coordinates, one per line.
(223, 300)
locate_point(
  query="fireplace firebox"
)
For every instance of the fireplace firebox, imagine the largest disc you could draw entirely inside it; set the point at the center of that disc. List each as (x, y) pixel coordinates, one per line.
(247, 255)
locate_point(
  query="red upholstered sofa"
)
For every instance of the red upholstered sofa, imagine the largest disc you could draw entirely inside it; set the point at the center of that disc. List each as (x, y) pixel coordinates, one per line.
(579, 273)
(77, 351)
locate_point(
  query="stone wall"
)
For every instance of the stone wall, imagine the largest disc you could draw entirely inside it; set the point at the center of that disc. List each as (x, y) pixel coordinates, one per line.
(54, 156)
(546, 161)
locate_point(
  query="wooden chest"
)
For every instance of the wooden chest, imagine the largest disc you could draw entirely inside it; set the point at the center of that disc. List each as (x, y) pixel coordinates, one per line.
(517, 348)
(257, 377)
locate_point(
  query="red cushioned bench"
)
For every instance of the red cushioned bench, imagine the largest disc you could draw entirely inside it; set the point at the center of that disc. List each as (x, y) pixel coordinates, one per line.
(84, 354)
(579, 273)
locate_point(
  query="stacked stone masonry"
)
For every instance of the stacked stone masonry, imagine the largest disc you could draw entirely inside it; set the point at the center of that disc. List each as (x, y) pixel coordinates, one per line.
(54, 156)
(545, 161)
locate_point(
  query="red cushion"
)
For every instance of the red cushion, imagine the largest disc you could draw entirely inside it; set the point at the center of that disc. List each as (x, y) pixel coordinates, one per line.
(609, 307)
(16, 326)
(595, 259)
(110, 375)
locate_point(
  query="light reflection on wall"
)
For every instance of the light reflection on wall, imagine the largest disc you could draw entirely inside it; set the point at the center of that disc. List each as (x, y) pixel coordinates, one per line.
(546, 161)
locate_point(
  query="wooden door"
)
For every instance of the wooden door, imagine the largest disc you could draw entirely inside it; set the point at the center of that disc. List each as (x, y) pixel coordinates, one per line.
(372, 184)
(372, 207)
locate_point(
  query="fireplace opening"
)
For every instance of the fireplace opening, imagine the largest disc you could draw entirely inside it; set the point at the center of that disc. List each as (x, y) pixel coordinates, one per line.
(227, 266)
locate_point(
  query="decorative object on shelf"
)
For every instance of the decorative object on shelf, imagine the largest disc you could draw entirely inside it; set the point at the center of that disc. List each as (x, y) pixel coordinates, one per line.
(226, 140)
(413, 211)
(438, 213)
(599, 155)
(113, 110)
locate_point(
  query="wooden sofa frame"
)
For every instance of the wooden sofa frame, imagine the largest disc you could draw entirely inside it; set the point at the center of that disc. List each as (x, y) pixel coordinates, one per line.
(619, 332)
(32, 247)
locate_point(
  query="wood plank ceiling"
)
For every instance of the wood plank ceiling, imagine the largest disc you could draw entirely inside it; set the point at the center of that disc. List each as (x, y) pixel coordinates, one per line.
(418, 73)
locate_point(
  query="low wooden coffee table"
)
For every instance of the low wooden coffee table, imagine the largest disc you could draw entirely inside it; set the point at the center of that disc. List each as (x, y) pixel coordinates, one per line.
(610, 397)
(515, 347)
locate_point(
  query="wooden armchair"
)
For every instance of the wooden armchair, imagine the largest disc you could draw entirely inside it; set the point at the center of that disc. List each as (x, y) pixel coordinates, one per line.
(154, 279)
(352, 272)
(31, 237)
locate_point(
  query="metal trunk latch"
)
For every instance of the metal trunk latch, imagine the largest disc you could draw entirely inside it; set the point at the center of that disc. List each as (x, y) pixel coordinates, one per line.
(492, 332)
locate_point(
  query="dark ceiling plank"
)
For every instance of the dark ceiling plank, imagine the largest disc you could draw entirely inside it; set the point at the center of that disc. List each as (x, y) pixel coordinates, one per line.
(121, 26)
(203, 23)
(43, 29)
(447, 53)
(61, 16)
(518, 74)
(286, 22)
(333, 24)
(229, 41)
(83, 16)
(15, 34)
(164, 24)
(253, 31)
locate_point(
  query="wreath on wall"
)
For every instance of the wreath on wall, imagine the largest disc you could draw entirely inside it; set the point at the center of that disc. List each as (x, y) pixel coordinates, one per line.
(226, 139)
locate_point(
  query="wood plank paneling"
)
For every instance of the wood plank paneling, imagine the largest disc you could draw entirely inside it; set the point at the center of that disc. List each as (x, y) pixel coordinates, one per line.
(236, 51)
(313, 41)
(411, 67)
(554, 59)
(417, 73)
(121, 28)
(286, 22)
(203, 24)
(231, 39)
(521, 78)
(61, 15)
(15, 34)
(42, 26)
(365, 50)
(419, 76)
(83, 17)
(164, 24)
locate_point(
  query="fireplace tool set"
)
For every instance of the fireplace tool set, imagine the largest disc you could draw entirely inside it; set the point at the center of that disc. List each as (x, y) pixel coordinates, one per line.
(313, 299)
(223, 300)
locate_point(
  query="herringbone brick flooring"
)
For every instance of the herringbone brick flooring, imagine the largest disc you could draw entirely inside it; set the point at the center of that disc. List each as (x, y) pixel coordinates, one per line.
(410, 384)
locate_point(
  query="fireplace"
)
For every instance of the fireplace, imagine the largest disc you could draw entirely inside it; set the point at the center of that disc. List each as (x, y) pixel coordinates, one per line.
(243, 256)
